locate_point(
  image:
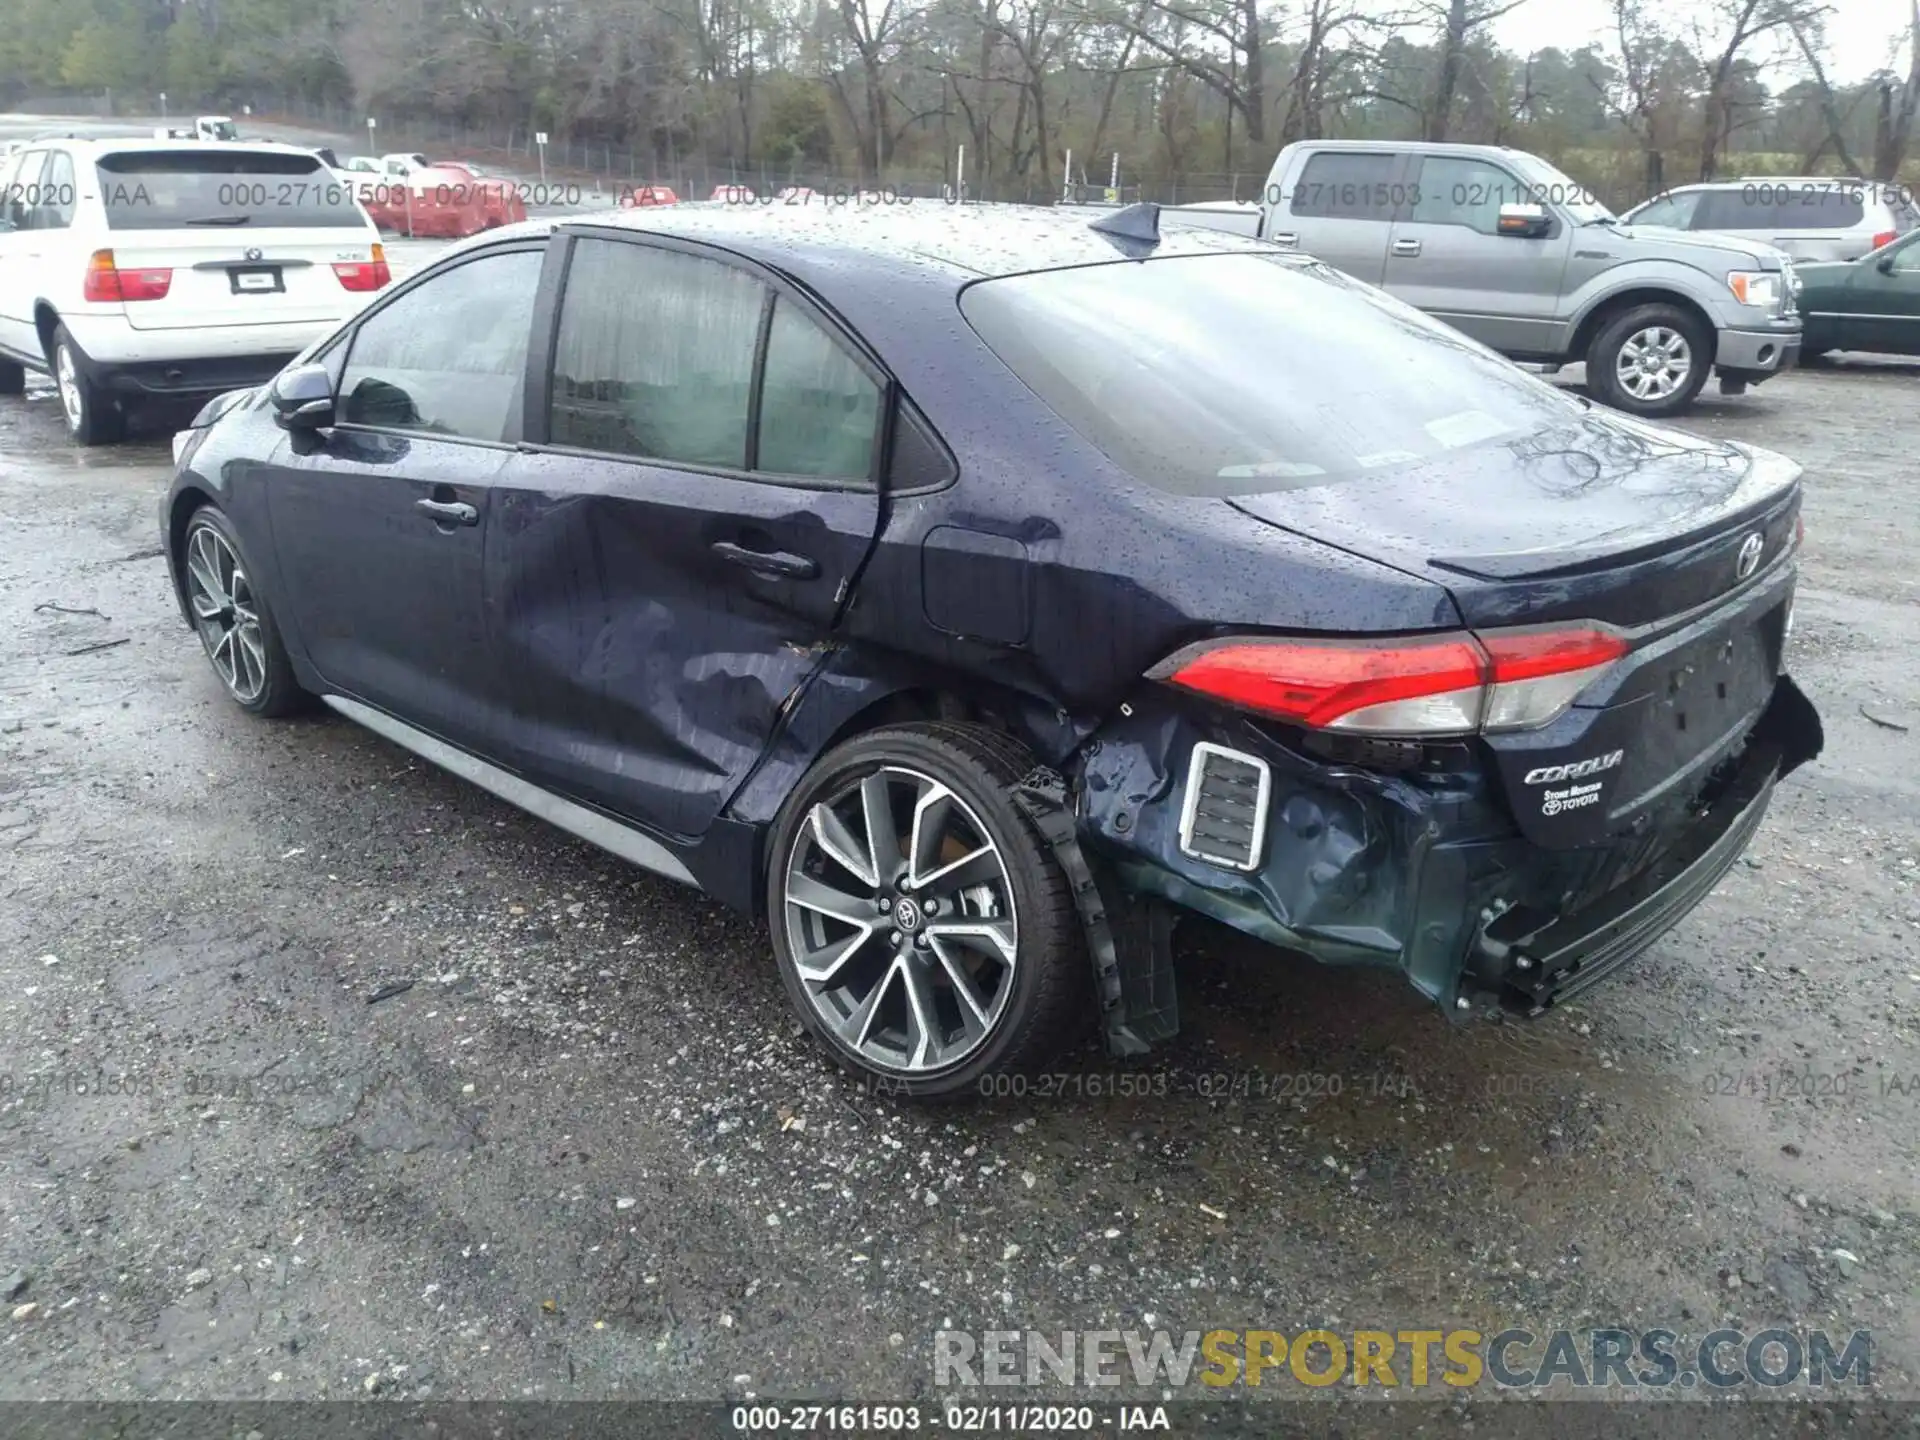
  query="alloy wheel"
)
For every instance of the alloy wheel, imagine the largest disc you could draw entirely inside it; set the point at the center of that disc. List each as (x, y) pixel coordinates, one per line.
(901, 920)
(1654, 363)
(224, 612)
(67, 378)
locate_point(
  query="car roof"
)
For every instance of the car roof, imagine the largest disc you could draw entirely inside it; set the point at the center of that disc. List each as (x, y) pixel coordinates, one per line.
(957, 243)
(184, 143)
(1409, 147)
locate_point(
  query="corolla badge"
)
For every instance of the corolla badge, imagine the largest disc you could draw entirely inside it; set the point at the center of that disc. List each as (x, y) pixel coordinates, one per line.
(1749, 558)
(1578, 769)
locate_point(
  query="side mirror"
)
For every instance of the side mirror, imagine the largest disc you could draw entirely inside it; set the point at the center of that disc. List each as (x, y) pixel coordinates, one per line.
(302, 398)
(1527, 222)
(1884, 264)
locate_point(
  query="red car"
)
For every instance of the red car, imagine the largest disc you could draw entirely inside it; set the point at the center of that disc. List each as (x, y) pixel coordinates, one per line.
(734, 194)
(637, 196)
(440, 202)
(500, 198)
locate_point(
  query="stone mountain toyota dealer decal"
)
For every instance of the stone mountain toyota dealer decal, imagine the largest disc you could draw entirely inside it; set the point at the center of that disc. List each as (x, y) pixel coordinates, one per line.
(1572, 797)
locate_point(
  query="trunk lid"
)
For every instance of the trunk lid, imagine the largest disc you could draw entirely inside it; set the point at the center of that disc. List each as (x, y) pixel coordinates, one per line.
(1683, 544)
(1602, 519)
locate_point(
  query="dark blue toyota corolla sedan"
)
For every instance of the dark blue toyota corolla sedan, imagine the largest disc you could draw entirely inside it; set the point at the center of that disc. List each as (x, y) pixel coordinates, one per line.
(973, 590)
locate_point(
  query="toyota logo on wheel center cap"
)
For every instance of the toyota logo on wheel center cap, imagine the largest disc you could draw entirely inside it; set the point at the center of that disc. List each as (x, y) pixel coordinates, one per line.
(906, 915)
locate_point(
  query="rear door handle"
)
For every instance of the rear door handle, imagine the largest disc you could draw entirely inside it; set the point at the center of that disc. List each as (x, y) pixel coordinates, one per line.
(449, 512)
(773, 564)
(1406, 247)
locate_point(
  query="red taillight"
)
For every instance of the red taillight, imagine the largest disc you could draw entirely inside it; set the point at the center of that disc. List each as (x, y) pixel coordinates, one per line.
(365, 274)
(1452, 684)
(107, 284)
(1885, 237)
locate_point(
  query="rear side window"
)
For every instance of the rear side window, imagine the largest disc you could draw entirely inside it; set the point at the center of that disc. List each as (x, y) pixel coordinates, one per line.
(20, 192)
(222, 187)
(656, 359)
(1238, 374)
(1347, 186)
(655, 356)
(449, 357)
(1788, 205)
(819, 410)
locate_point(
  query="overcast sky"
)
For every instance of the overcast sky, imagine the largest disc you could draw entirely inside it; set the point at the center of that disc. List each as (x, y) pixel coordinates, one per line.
(1859, 32)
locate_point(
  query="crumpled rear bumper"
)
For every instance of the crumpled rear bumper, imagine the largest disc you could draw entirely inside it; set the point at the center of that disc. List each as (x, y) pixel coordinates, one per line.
(1422, 868)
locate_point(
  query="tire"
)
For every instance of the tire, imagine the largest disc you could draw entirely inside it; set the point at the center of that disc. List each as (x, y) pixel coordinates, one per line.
(13, 378)
(1656, 331)
(214, 569)
(93, 418)
(1005, 997)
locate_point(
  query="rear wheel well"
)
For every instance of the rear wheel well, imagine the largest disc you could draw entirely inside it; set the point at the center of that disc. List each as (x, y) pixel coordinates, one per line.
(45, 322)
(1613, 305)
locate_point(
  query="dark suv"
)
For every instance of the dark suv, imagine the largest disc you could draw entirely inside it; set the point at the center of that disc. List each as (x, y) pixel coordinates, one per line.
(970, 591)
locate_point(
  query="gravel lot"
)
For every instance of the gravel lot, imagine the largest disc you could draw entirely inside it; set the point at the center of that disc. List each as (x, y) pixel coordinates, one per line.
(326, 1074)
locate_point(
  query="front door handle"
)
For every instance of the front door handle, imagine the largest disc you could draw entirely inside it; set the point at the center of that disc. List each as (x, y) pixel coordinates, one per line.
(1406, 247)
(449, 512)
(1284, 237)
(773, 564)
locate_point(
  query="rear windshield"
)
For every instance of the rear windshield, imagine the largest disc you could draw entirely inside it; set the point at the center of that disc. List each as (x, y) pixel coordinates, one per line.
(221, 187)
(1237, 374)
(1781, 205)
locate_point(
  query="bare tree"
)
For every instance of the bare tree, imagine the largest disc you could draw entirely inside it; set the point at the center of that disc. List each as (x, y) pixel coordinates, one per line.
(1458, 21)
(1803, 34)
(1893, 127)
(1189, 34)
(1745, 22)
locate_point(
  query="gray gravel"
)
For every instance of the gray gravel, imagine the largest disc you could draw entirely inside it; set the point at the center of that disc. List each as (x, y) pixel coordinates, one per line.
(329, 1076)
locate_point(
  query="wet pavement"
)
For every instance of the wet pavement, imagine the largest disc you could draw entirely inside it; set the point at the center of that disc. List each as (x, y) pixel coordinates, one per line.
(325, 1074)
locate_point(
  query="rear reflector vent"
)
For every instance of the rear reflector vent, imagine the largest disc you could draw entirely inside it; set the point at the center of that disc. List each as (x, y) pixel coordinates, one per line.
(1225, 818)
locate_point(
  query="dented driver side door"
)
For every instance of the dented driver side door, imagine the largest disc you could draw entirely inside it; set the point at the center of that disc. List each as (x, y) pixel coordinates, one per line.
(678, 536)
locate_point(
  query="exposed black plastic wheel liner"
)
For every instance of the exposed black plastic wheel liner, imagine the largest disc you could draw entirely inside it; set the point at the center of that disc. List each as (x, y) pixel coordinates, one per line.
(891, 967)
(1130, 936)
(13, 378)
(1633, 327)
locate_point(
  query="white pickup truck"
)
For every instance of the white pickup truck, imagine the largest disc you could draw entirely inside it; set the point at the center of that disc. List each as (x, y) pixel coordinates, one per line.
(204, 127)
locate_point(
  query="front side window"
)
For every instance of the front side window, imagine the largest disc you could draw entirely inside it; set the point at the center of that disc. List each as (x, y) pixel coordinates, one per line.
(1668, 212)
(1454, 191)
(1237, 374)
(1347, 186)
(655, 356)
(449, 356)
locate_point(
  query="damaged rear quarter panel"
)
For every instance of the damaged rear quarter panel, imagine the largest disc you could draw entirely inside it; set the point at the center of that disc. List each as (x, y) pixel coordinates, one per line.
(1353, 872)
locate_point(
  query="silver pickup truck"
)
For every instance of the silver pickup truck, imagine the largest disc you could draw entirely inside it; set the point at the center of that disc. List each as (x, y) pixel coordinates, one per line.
(1503, 246)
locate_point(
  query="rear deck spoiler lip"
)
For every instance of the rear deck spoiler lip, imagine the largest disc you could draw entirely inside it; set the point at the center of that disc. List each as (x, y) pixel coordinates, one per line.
(1573, 561)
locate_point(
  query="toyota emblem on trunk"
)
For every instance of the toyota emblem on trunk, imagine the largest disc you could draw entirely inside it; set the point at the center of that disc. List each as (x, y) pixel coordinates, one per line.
(255, 253)
(1749, 559)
